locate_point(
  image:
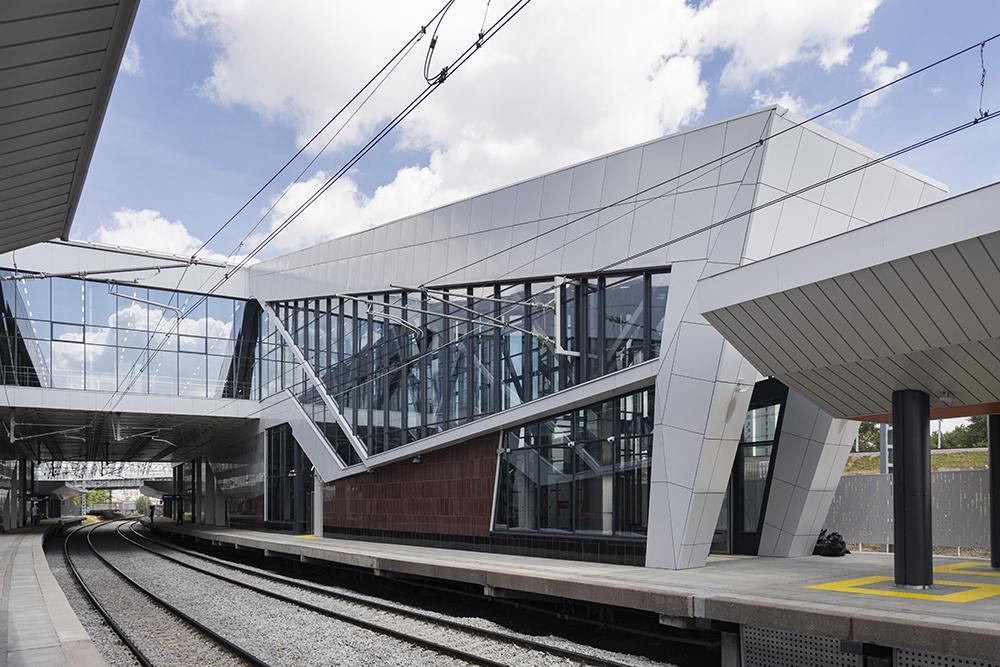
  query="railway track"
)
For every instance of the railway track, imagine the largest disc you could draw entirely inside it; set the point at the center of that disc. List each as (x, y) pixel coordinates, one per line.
(153, 630)
(350, 603)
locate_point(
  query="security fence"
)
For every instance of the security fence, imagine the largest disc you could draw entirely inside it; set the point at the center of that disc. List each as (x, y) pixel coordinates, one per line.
(862, 509)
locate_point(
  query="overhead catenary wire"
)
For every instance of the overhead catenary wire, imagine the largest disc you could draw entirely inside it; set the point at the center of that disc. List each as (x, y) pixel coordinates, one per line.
(382, 73)
(790, 128)
(429, 55)
(457, 63)
(837, 107)
(462, 337)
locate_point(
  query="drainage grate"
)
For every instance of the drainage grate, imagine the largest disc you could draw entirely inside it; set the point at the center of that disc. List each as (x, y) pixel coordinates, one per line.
(905, 658)
(764, 647)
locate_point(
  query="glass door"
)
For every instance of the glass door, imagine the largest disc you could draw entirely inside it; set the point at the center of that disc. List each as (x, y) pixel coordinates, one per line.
(746, 501)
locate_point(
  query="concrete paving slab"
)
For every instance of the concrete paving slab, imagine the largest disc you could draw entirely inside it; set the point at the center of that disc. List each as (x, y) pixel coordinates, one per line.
(778, 593)
(38, 625)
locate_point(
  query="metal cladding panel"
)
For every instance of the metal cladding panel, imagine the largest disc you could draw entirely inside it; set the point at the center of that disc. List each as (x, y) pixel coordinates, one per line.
(926, 321)
(60, 61)
(551, 224)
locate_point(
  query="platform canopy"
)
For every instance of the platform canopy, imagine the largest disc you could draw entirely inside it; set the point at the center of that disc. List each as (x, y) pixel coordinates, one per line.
(58, 62)
(910, 302)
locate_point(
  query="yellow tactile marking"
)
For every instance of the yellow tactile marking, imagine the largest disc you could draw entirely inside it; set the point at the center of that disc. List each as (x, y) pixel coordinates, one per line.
(965, 568)
(975, 591)
(306, 537)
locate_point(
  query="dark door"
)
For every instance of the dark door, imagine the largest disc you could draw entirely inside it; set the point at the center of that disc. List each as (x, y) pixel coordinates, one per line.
(751, 478)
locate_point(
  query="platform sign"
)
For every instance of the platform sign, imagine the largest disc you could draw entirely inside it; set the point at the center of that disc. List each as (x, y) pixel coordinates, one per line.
(39, 498)
(173, 497)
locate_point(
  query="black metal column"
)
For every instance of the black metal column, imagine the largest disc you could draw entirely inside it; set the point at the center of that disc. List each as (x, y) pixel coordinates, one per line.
(911, 488)
(993, 430)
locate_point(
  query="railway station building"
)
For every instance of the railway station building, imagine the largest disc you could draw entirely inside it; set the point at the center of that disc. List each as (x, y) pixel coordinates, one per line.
(525, 371)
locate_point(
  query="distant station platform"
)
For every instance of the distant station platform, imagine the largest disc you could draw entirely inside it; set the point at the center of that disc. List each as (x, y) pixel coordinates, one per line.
(848, 598)
(37, 625)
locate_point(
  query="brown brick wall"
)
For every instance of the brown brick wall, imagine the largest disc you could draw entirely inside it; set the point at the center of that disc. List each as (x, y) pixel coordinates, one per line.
(449, 492)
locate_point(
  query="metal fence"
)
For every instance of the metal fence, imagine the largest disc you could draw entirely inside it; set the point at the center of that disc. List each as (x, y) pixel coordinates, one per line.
(862, 509)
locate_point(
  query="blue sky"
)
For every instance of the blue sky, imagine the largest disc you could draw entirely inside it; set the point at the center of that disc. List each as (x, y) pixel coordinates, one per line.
(192, 150)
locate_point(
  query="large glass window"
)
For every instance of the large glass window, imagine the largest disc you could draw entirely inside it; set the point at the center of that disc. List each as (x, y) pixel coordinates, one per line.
(403, 366)
(95, 335)
(586, 471)
(624, 320)
(755, 455)
(67, 300)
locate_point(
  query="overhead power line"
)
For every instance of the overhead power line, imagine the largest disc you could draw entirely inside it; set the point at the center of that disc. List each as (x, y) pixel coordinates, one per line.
(447, 330)
(454, 66)
(519, 6)
(760, 142)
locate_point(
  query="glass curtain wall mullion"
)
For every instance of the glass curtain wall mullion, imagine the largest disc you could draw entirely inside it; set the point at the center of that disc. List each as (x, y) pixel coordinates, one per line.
(647, 318)
(403, 377)
(496, 334)
(584, 472)
(397, 386)
(601, 328)
(527, 347)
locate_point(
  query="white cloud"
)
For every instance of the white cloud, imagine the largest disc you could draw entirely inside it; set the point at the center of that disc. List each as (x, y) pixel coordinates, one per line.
(786, 99)
(875, 72)
(565, 80)
(763, 35)
(147, 229)
(132, 59)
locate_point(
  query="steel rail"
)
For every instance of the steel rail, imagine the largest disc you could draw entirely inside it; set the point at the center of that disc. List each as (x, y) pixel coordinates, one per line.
(569, 654)
(96, 604)
(232, 647)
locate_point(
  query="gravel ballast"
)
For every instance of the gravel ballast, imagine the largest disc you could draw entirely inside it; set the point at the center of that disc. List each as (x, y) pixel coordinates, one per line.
(278, 632)
(114, 652)
(159, 634)
(484, 647)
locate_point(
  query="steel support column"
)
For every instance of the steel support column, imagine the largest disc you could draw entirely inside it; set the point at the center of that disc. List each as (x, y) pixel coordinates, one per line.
(993, 430)
(317, 505)
(911, 488)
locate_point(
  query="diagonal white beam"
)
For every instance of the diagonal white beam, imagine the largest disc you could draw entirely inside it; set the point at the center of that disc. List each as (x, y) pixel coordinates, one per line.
(331, 405)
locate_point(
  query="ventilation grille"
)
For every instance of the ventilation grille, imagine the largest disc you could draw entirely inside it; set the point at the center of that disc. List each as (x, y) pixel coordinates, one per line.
(764, 647)
(917, 659)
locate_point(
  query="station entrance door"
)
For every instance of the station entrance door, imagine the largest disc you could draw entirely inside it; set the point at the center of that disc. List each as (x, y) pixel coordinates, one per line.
(742, 517)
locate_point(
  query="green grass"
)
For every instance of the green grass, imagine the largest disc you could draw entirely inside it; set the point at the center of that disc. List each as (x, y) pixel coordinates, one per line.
(977, 460)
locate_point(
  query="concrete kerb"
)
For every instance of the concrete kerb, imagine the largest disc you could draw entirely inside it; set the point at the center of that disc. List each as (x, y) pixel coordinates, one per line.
(75, 643)
(779, 615)
(668, 602)
(943, 637)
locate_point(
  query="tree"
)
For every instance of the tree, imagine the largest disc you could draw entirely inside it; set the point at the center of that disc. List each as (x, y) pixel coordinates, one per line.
(972, 434)
(142, 505)
(98, 496)
(868, 437)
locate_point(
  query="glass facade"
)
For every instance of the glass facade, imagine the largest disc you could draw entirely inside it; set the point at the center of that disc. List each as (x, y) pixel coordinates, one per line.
(756, 446)
(405, 365)
(68, 333)
(289, 480)
(583, 472)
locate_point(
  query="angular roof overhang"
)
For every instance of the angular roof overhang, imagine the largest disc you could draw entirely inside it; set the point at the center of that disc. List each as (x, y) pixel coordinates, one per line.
(910, 302)
(58, 62)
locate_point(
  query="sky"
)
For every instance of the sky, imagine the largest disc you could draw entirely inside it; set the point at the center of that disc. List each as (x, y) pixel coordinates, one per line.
(214, 95)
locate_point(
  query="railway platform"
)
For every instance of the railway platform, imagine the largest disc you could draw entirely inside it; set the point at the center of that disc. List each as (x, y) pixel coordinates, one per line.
(37, 625)
(850, 599)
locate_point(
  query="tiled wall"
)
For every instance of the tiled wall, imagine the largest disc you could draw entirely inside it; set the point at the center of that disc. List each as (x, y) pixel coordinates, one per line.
(450, 492)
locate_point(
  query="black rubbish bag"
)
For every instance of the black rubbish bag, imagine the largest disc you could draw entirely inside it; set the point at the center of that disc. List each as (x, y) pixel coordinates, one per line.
(820, 541)
(831, 544)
